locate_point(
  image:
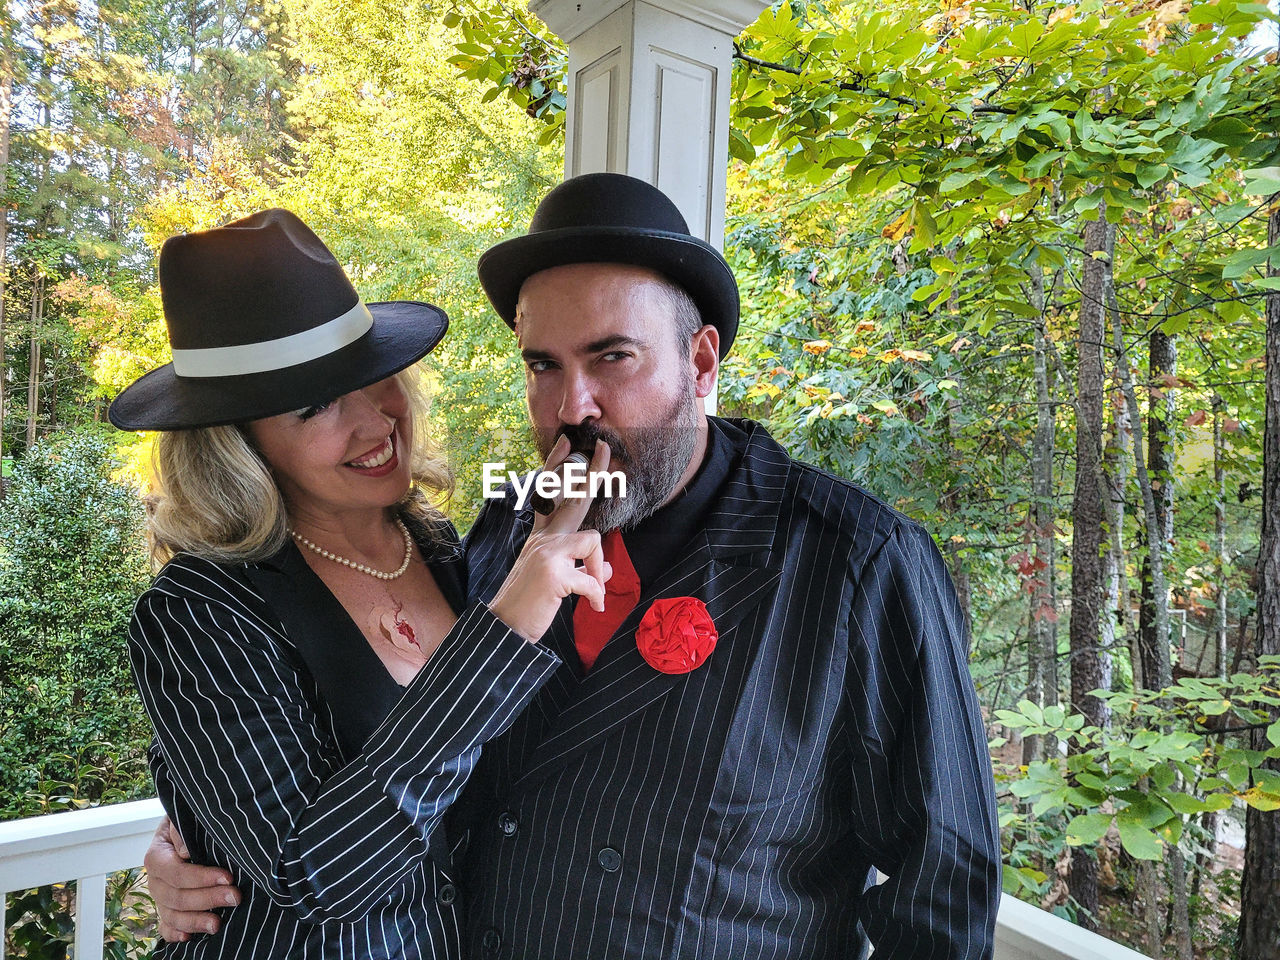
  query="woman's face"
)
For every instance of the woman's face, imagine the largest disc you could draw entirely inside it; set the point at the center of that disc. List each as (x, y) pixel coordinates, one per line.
(352, 453)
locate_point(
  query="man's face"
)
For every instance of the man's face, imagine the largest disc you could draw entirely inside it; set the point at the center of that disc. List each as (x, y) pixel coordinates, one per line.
(602, 358)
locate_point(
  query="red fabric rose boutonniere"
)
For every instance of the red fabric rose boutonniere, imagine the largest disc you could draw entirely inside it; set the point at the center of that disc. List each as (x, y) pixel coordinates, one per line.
(676, 635)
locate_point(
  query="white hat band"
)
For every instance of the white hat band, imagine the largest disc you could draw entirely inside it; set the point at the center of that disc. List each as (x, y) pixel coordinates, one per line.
(277, 354)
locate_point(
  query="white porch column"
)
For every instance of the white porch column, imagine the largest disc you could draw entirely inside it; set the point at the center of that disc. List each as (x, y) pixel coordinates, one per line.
(649, 94)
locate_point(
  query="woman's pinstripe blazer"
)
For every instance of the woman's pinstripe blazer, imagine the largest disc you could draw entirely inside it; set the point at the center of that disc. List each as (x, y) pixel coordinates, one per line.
(284, 752)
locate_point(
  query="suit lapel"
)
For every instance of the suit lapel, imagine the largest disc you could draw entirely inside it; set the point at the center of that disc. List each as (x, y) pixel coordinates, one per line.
(622, 683)
(561, 687)
(351, 679)
(728, 566)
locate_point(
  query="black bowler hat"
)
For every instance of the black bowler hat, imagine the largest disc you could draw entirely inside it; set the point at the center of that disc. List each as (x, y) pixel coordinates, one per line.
(611, 218)
(263, 320)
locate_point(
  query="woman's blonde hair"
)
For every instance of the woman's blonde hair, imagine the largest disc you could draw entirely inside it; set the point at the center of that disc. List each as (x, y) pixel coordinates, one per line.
(216, 497)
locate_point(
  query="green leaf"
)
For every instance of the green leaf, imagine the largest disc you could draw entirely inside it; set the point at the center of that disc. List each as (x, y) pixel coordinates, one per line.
(1170, 832)
(1184, 803)
(1145, 811)
(1087, 828)
(740, 147)
(1242, 261)
(1262, 180)
(1140, 842)
(1273, 731)
(1266, 283)
(925, 226)
(1014, 879)
(1031, 711)
(1149, 174)
(1163, 776)
(1229, 130)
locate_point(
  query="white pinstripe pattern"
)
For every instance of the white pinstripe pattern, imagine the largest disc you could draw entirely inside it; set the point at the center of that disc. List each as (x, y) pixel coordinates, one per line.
(834, 729)
(332, 853)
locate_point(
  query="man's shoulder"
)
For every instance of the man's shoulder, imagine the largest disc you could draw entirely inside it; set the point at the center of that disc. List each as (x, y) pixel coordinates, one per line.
(842, 508)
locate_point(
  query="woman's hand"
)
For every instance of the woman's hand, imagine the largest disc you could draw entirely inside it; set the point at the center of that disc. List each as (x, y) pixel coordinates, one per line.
(547, 569)
(185, 893)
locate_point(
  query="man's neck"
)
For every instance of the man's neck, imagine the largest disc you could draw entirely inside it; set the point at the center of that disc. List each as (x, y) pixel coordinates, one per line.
(695, 460)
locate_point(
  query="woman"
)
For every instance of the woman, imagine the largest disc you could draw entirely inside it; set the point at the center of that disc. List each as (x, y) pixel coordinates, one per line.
(318, 689)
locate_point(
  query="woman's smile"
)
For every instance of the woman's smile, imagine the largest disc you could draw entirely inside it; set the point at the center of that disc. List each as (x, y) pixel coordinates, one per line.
(379, 461)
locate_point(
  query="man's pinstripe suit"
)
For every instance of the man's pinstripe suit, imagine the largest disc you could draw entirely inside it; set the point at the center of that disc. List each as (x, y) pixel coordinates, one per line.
(737, 811)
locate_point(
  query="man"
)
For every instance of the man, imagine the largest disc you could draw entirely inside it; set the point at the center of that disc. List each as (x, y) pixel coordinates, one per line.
(735, 799)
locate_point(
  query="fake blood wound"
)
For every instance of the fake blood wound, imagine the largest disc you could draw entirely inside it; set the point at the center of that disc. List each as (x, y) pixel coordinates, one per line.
(403, 628)
(398, 630)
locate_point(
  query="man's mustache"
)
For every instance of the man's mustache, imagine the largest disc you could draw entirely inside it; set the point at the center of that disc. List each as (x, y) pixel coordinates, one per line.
(582, 437)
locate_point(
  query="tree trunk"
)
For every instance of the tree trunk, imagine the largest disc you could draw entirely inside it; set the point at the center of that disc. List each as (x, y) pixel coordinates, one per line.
(1156, 670)
(1115, 471)
(6, 114)
(35, 368)
(1087, 522)
(1042, 657)
(1148, 888)
(1116, 627)
(1163, 364)
(1220, 539)
(1260, 883)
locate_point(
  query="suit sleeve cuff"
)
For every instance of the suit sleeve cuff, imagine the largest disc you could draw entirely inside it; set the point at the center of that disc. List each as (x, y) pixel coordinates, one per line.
(470, 690)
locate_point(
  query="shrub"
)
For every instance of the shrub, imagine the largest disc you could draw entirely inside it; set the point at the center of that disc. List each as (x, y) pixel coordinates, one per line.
(72, 562)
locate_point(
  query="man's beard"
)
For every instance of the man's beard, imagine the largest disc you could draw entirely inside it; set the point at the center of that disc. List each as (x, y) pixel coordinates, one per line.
(653, 458)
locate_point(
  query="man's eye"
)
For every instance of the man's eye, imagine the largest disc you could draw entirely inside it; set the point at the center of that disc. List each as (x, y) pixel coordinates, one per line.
(615, 355)
(540, 366)
(308, 412)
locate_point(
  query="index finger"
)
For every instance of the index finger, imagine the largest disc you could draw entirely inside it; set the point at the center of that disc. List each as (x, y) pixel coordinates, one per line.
(568, 516)
(194, 876)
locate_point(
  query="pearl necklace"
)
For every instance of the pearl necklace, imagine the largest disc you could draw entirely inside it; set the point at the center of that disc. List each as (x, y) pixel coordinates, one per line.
(363, 568)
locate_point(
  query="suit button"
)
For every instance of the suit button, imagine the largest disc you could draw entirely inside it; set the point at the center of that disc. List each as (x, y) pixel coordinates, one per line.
(508, 823)
(610, 859)
(491, 941)
(447, 894)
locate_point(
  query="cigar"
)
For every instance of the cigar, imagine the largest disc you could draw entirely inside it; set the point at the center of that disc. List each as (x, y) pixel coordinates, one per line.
(544, 505)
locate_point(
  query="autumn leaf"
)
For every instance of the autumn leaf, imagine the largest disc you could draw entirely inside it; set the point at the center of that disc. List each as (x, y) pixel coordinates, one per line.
(817, 347)
(899, 228)
(1196, 419)
(916, 356)
(1062, 13)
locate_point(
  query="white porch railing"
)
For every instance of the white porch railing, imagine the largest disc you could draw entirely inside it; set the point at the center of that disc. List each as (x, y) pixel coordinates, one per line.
(87, 845)
(82, 845)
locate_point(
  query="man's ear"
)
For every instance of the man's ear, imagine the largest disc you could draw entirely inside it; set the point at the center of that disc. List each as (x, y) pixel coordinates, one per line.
(704, 354)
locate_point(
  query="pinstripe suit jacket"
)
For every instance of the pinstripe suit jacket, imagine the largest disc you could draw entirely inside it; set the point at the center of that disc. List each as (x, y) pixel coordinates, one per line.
(737, 811)
(284, 752)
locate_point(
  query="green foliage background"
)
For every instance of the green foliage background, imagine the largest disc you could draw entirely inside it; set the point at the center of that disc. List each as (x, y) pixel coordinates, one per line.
(908, 190)
(72, 563)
